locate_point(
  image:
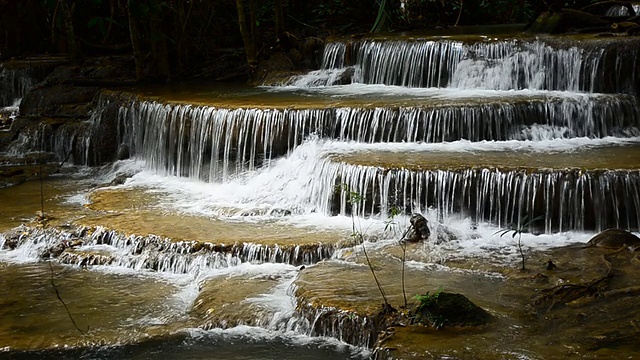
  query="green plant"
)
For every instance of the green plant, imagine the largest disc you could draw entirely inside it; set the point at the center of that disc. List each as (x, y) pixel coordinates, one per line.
(377, 25)
(427, 299)
(422, 313)
(517, 230)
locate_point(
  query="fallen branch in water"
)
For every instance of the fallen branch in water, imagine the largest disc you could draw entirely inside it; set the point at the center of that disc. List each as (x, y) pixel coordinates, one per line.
(62, 301)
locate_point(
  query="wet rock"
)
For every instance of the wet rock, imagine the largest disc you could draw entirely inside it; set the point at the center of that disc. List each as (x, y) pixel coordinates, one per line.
(346, 77)
(119, 179)
(448, 309)
(59, 100)
(16, 174)
(53, 251)
(42, 218)
(11, 241)
(224, 302)
(312, 51)
(280, 212)
(625, 27)
(123, 152)
(419, 228)
(84, 259)
(615, 239)
(7, 114)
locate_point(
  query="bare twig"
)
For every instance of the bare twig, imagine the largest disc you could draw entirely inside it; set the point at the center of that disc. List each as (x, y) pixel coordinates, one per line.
(459, 13)
(403, 245)
(375, 278)
(55, 288)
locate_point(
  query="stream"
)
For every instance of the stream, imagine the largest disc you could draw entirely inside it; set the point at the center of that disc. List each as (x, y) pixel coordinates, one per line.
(226, 230)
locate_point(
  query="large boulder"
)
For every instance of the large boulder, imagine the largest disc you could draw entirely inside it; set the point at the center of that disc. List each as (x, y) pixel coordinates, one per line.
(419, 228)
(615, 239)
(443, 309)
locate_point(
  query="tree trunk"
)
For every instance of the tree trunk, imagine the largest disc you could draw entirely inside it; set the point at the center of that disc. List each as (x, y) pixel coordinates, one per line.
(67, 24)
(279, 16)
(249, 45)
(252, 18)
(135, 42)
(158, 43)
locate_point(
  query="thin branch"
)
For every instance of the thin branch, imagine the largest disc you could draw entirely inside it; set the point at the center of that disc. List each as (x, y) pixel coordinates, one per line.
(63, 161)
(40, 173)
(302, 23)
(364, 249)
(62, 301)
(403, 245)
(459, 13)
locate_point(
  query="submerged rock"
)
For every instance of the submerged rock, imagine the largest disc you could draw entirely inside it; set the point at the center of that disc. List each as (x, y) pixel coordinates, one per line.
(614, 239)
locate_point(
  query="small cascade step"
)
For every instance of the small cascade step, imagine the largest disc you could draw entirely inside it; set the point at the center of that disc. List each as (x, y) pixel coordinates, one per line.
(225, 302)
(212, 143)
(349, 312)
(85, 246)
(591, 189)
(575, 64)
(17, 77)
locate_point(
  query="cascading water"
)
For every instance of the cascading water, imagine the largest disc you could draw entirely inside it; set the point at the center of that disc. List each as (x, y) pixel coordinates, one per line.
(498, 64)
(619, 10)
(213, 144)
(568, 200)
(312, 155)
(15, 82)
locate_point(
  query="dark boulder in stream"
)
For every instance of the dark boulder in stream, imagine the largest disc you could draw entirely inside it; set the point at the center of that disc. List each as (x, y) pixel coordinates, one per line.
(615, 239)
(419, 228)
(443, 309)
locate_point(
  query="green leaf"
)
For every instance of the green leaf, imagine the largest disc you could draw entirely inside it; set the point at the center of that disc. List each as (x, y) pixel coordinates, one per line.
(94, 21)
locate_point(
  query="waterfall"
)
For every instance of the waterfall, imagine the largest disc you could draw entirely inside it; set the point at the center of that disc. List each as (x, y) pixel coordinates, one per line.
(88, 246)
(77, 142)
(619, 10)
(15, 82)
(568, 199)
(216, 144)
(499, 64)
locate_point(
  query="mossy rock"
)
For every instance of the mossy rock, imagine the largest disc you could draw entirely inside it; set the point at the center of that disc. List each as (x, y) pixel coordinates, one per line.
(615, 239)
(447, 309)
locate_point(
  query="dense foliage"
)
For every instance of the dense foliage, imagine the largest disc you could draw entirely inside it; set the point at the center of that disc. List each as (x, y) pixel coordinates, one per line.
(170, 38)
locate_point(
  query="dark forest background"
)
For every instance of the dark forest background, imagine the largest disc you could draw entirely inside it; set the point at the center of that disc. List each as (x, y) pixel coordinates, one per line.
(173, 39)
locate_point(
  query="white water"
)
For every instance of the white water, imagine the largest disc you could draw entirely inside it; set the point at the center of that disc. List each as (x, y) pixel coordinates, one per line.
(294, 183)
(622, 11)
(258, 183)
(498, 64)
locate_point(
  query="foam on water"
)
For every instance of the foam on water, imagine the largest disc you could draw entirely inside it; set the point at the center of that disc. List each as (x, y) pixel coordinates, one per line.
(251, 270)
(359, 90)
(486, 63)
(294, 182)
(288, 184)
